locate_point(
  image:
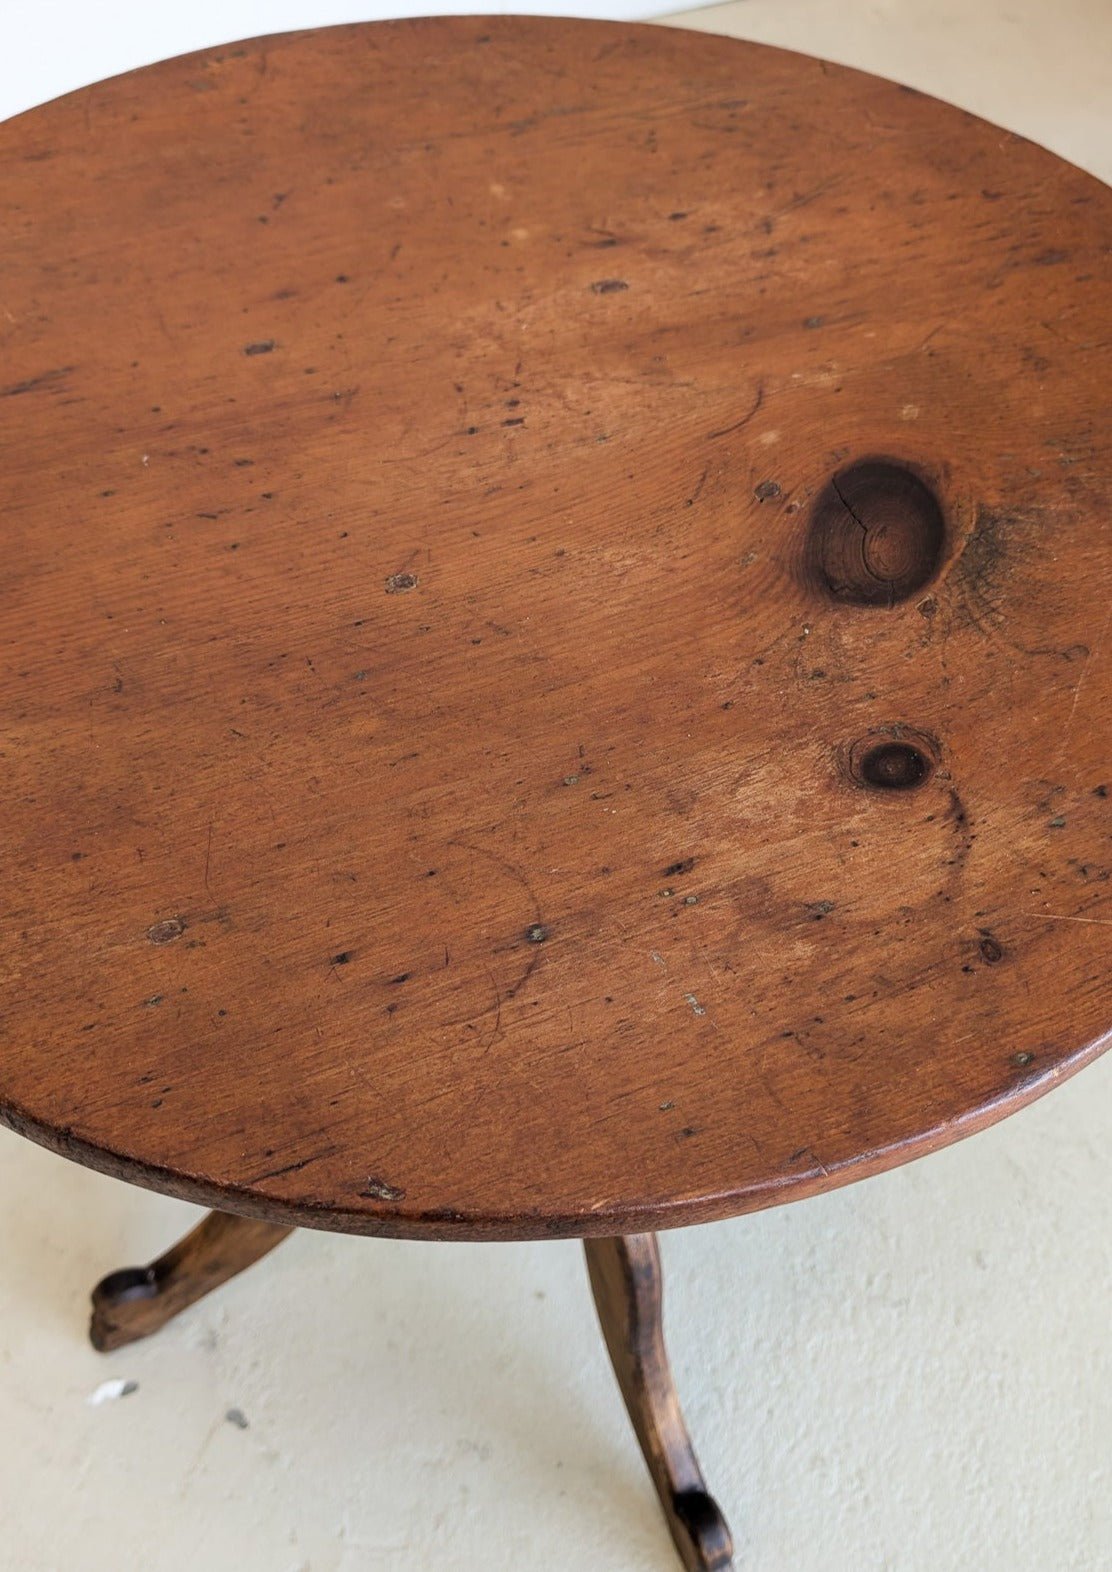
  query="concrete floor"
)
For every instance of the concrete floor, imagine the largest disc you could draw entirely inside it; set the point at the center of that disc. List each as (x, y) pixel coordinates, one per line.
(910, 1375)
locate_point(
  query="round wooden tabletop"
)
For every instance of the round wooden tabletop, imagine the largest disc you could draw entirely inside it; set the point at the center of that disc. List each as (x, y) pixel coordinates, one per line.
(555, 644)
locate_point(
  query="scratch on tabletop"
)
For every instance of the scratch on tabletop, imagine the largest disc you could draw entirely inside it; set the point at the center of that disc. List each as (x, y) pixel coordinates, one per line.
(1094, 650)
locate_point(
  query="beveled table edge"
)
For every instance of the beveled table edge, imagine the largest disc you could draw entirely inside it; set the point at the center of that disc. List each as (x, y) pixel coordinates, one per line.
(392, 1220)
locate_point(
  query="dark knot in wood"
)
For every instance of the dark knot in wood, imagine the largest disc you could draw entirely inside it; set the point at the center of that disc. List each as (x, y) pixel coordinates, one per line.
(875, 537)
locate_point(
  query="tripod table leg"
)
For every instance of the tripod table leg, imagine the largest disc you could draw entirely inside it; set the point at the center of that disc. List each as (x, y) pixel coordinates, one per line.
(626, 1282)
(138, 1300)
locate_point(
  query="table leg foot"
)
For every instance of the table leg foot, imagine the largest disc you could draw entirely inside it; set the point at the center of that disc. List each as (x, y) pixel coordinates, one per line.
(138, 1300)
(626, 1282)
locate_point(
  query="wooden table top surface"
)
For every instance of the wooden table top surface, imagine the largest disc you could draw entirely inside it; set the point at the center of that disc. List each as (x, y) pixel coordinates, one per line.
(555, 661)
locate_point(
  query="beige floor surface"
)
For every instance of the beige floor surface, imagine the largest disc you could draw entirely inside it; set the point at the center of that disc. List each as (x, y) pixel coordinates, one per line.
(910, 1375)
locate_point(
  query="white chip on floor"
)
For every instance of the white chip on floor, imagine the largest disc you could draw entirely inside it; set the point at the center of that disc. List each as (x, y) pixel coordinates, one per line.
(109, 1391)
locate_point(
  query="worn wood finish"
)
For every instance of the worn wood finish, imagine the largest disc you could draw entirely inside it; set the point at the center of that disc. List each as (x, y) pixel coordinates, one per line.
(554, 659)
(626, 1282)
(133, 1303)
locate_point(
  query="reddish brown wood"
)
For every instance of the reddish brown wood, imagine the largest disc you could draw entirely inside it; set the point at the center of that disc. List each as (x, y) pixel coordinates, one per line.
(139, 1300)
(626, 1282)
(554, 661)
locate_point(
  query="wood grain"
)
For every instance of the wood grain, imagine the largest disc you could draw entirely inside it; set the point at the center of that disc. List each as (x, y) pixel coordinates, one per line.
(554, 662)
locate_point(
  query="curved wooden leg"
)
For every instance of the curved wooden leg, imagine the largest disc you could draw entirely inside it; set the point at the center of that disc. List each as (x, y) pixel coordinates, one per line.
(625, 1280)
(138, 1300)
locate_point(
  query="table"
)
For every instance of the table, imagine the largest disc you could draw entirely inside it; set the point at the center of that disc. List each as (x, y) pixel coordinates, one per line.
(554, 659)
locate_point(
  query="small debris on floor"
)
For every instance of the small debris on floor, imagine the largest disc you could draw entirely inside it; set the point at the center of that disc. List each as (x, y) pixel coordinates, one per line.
(109, 1391)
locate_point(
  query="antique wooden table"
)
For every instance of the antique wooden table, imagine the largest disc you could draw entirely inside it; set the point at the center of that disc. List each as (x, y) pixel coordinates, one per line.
(555, 643)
